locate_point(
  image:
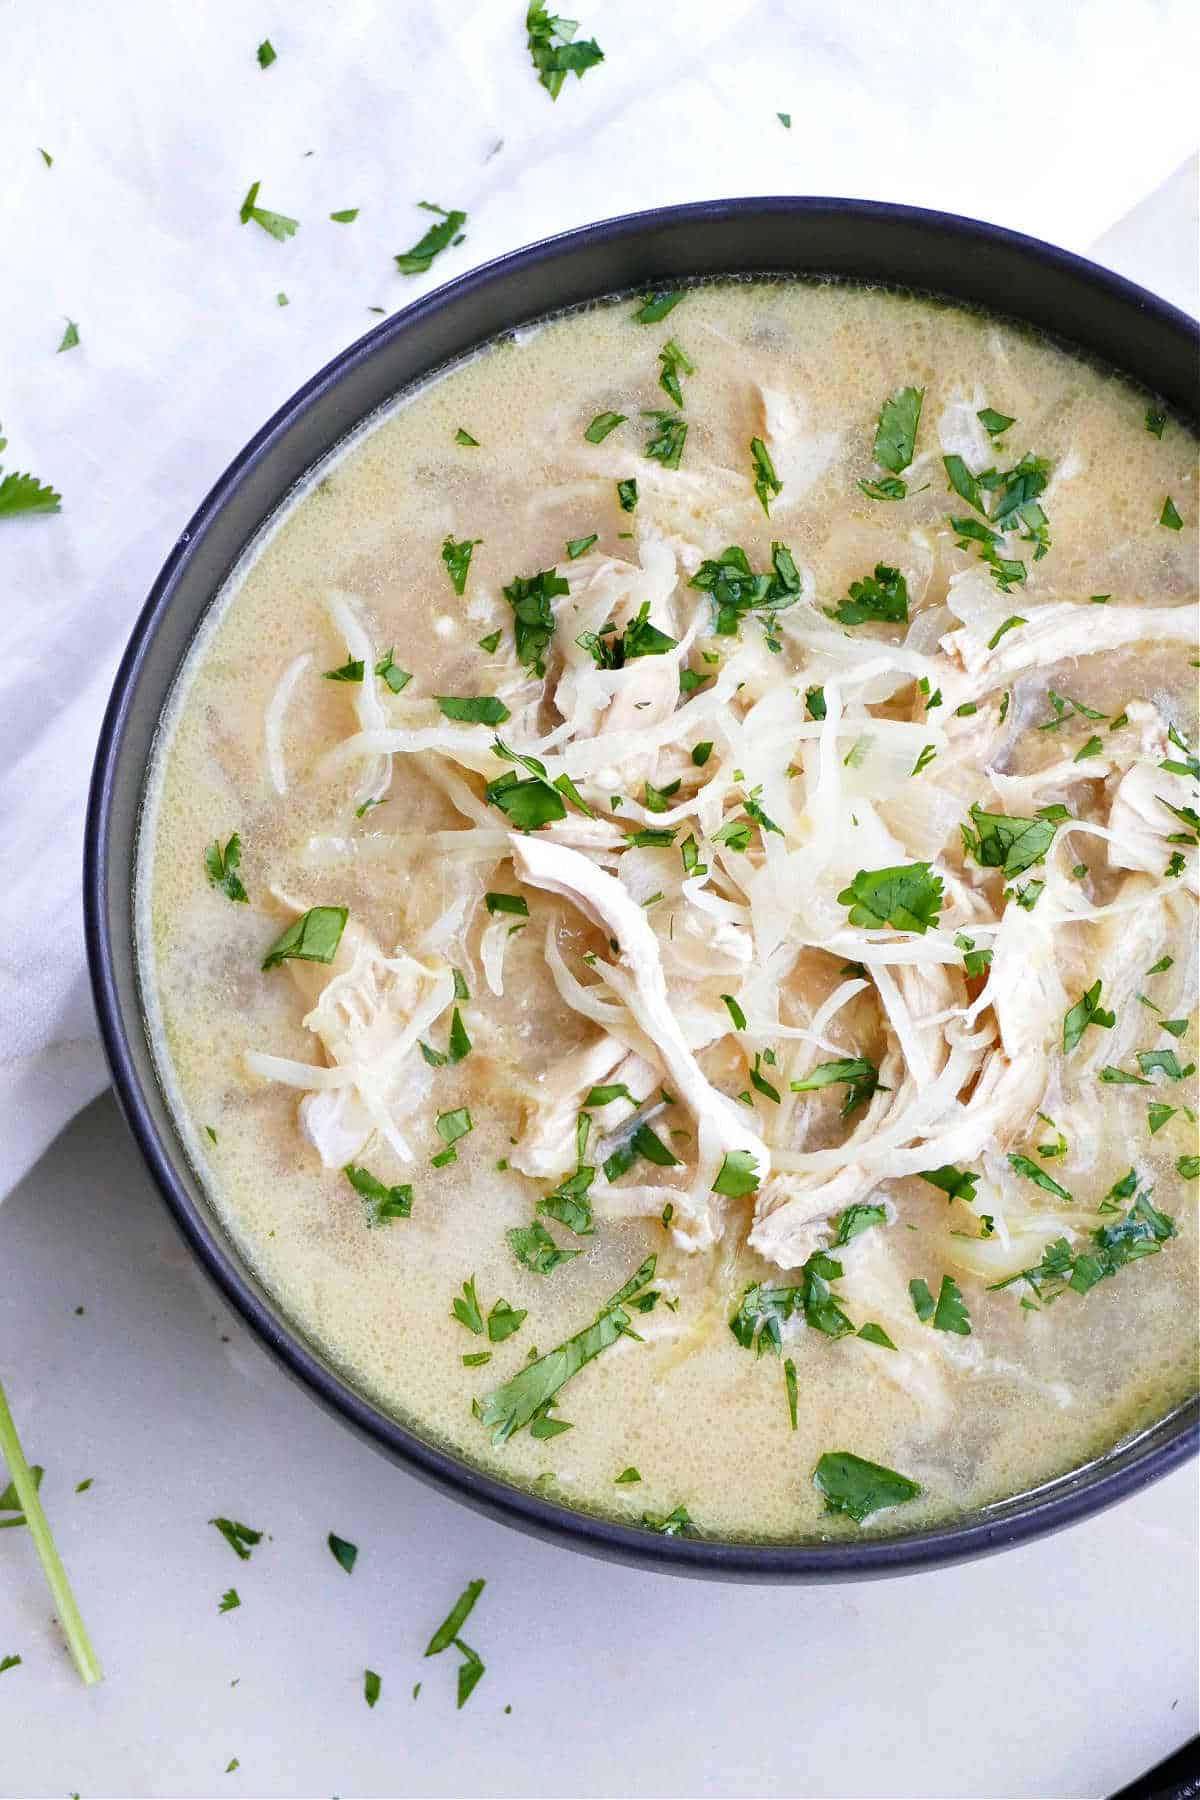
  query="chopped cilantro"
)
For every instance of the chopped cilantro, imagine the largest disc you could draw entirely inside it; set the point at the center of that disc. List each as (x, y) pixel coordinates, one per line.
(922, 1299)
(464, 437)
(859, 1488)
(533, 1246)
(856, 1219)
(1001, 841)
(736, 592)
(908, 898)
(278, 225)
(1086, 1011)
(396, 678)
(344, 1554)
(417, 260)
(879, 599)
(924, 759)
(25, 493)
(380, 1201)
(371, 1686)
(1010, 624)
(457, 558)
(1021, 1165)
(737, 1175)
(735, 1012)
(351, 670)
(888, 487)
(577, 546)
(347, 215)
(240, 1538)
(993, 422)
(313, 937)
(473, 709)
(602, 424)
(656, 306)
(265, 54)
(555, 50)
(70, 337)
(675, 362)
(491, 643)
(950, 1313)
(767, 484)
(896, 433)
(627, 495)
(222, 866)
(511, 1407)
(859, 1076)
(1170, 515)
(530, 597)
(956, 1184)
(229, 1600)
(814, 703)
(665, 445)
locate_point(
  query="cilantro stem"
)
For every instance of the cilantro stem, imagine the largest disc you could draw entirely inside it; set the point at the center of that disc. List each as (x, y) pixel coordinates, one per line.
(39, 1530)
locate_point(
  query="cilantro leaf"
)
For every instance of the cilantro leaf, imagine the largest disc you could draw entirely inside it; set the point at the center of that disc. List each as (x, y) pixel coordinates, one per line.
(656, 306)
(602, 424)
(1170, 515)
(457, 558)
(859, 1488)
(1021, 1165)
(860, 1077)
(1086, 1011)
(25, 493)
(956, 1184)
(70, 337)
(896, 433)
(278, 225)
(737, 1175)
(530, 597)
(879, 599)
(240, 1538)
(344, 1554)
(627, 495)
(666, 444)
(950, 1313)
(1003, 841)
(465, 1308)
(313, 937)
(856, 1219)
(473, 709)
(533, 1246)
(767, 484)
(908, 898)
(555, 51)
(380, 1201)
(417, 260)
(675, 362)
(736, 592)
(265, 54)
(993, 422)
(222, 865)
(511, 1407)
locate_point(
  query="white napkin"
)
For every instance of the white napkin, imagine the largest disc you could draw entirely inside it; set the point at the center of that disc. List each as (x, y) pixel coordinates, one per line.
(1054, 119)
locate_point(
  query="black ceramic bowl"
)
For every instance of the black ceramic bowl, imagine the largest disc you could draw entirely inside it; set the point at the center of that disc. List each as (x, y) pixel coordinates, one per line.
(1074, 301)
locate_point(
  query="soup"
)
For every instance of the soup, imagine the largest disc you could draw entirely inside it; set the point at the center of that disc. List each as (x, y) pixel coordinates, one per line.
(667, 901)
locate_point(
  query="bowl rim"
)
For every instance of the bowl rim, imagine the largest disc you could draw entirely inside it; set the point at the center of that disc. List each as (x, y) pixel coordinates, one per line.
(1077, 1493)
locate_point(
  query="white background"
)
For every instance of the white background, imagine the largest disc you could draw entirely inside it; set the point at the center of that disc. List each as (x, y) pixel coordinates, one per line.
(1062, 1668)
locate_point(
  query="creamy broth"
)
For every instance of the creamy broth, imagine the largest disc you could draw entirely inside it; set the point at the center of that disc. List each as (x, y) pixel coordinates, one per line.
(816, 723)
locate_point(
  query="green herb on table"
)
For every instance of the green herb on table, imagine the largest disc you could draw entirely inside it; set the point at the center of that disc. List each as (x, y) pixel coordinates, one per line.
(278, 225)
(240, 1538)
(448, 231)
(25, 493)
(229, 1599)
(70, 337)
(265, 54)
(1170, 515)
(447, 1635)
(371, 1686)
(344, 1554)
(222, 866)
(23, 1486)
(555, 50)
(347, 215)
(9, 1662)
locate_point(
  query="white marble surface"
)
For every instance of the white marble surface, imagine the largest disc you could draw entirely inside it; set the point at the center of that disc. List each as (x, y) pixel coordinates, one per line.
(1062, 1668)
